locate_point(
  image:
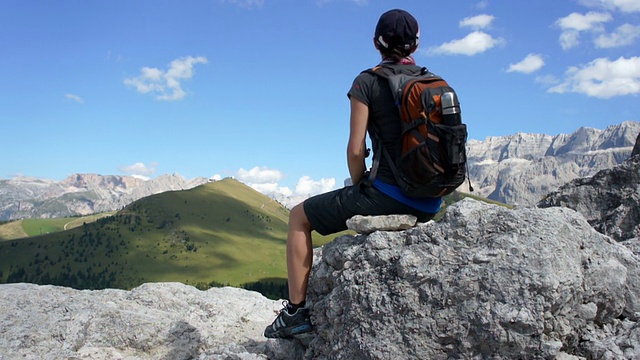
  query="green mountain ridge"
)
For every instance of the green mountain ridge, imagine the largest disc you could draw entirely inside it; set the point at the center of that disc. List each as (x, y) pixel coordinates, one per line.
(218, 233)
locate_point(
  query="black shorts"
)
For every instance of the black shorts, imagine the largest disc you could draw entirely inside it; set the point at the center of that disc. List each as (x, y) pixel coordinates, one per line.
(328, 213)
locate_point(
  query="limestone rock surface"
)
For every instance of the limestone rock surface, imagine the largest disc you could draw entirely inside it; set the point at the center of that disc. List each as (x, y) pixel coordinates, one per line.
(522, 168)
(609, 200)
(153, 321)
(636, 148)
(486, 282)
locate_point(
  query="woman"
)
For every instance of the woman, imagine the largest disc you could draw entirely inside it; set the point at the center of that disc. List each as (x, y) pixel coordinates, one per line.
(372, 107)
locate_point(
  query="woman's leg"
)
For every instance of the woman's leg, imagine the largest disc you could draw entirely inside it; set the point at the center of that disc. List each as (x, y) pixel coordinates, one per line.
(299, 254)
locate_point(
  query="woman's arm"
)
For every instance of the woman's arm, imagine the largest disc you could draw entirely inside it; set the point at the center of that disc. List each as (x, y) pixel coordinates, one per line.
(356, 148)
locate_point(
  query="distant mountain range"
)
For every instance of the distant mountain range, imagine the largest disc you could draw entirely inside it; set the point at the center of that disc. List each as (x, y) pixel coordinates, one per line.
(81, 194)
(516, 169)
(523, 168)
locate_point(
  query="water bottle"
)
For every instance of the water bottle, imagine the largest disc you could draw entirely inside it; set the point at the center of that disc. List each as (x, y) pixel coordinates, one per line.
(450, 109)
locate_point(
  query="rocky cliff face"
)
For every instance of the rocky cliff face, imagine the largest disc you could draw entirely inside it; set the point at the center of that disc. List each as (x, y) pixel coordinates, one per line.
(81, 194)
(485, 282)
(610, 200)
(636, 148)
(522, 168)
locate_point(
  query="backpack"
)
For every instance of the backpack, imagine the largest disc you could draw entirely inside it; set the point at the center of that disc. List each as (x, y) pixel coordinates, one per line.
(431, 157)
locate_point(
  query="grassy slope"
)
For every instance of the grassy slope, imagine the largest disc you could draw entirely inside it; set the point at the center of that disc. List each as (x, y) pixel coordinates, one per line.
(12, 230)
(33, 227)
(221, 232)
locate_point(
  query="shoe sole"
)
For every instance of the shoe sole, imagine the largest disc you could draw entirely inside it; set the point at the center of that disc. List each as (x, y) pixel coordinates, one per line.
(289, 333)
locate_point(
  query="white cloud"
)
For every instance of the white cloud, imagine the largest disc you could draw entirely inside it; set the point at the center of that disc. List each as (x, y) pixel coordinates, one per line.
(216, 177)
(529, 64)
(624, 5)
(75, 98)
(259, 175)
(627, 6)
(139, 170)
(575, 23)
(305, 188)
(472, 44)
(569, 39)
(622, 36)
(477, 22)
(166, 85)
(266, 181)
(579, 22)
(308, 186)
(602, 78)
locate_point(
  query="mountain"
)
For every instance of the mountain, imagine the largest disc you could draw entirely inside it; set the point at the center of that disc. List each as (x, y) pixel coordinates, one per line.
(523, 168)
(81, 194)
(200, 235)
(222, 232)
(609, 200)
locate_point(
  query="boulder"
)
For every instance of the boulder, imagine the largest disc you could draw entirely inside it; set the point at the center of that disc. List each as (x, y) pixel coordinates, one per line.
(486, 282)
(153, 321)
(610, 200)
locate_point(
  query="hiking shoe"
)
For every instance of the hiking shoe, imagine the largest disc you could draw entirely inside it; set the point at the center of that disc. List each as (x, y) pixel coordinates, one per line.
(288, 325)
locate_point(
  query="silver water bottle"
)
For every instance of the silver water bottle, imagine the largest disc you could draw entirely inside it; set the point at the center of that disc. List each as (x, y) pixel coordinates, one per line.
(450, 109)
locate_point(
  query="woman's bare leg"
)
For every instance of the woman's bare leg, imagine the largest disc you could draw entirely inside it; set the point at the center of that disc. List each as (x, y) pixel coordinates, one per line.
(299, 254)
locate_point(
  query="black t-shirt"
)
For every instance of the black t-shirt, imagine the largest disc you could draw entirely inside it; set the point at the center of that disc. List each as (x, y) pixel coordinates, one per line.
(374, 91)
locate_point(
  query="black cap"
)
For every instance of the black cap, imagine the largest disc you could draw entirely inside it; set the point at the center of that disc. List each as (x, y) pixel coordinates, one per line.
(397, 29)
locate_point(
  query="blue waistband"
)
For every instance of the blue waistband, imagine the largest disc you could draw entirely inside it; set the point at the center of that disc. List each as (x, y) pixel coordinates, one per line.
(428, 205)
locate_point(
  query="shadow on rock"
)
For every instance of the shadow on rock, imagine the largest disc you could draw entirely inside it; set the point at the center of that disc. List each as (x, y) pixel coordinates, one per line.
(184, 341)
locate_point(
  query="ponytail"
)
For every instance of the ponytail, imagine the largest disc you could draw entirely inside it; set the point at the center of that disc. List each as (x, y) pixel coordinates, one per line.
(395, 54)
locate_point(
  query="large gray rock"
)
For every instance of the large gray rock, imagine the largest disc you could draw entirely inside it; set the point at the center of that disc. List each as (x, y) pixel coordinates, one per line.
(636, 148)
(154, 321)
(610, 200)
(487, 282)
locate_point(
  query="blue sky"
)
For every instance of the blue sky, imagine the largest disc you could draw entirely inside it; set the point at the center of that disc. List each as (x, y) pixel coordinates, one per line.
(256, 89)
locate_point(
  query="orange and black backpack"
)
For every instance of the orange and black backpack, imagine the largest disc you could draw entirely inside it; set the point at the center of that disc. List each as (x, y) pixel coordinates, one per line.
(431, 160)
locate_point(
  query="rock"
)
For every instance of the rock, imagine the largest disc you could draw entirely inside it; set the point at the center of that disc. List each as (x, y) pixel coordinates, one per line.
(636, 148)
(153, 321)
(633, 245)
(486, 282)
(368, 224)
(610, 200)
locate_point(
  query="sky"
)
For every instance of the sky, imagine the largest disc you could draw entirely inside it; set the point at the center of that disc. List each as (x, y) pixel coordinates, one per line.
(256, 89)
